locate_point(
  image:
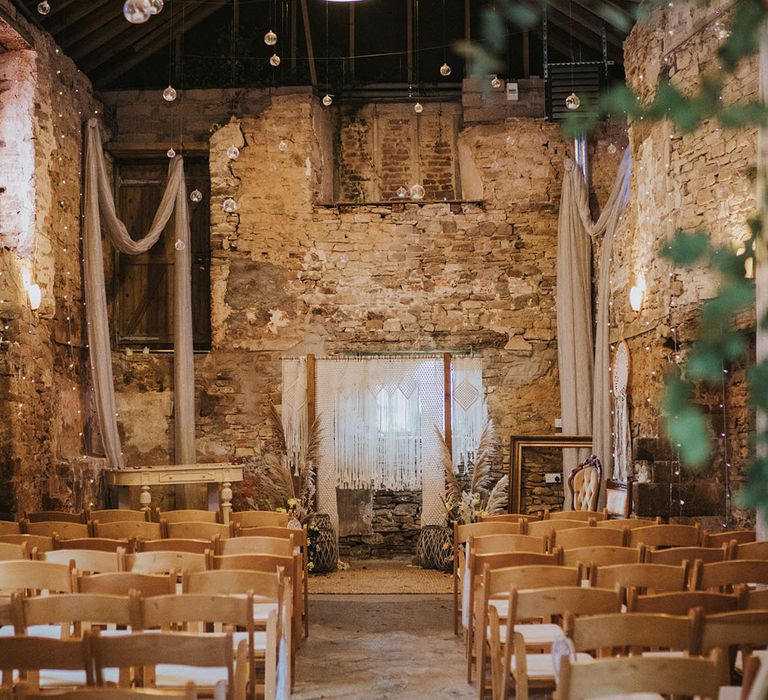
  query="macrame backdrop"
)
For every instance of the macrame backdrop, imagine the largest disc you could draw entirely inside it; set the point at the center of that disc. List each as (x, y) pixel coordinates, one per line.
(294, 408)
(468, 410)
(378, 417)
(100, 201)
(585, 400)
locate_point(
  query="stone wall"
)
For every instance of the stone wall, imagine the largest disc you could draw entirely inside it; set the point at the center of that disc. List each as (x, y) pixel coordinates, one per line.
(45, 432)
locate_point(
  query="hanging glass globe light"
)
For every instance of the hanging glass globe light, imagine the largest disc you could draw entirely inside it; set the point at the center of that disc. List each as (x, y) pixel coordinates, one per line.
(611, 148)
(170, 153)
(229, 205)
(196, 196)
(155, 6)
(445, 70)
(274, 60)
(417, 192)
(43, 7)
(233, 152)
(721, 33)
(137, 11)
(418, 108)
(327, 100)
(572, 101)
(402, 192)
(179, 245)
(496, 82)
(169, 94)
(282, 146)
(270, 38)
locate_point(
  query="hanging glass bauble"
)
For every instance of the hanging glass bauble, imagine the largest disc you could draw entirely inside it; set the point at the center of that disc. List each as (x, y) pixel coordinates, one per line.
(137, 11)
(233, 152)
(418, 108)
(169, 94)
(155, 6)
(179, 245)
(196, 196)
(611, 148)
(170, 153)
(572, 101)
(274, 60)
(270, 38)
(417, 192)
(721, 33)
(327, 100)
(402, 192)
(282, 146)
(496, 82)
(229, 205)
(43, 7)
(445, 70)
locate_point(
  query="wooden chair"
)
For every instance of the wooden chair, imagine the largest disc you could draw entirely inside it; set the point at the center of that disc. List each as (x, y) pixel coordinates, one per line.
(9, 552)
(178, 544)
(165, 562)
(752, 598)
(724, 575)
(588, 537)
(127, 530)
(545, 528)
(681, 602)
(113, 515)
(35, 576)
(123, 583)
(9, 527)
(630, 674)
(208, 659)
(42, 516)
(655, 536)
(87, 560)
(750, 550)
(533, 668)
(585, 515)
(744, 630)
(97, 544)
(584, 484)
(24, 692)
(51, 528)
(196, 530)
(677, 555)
(725, 537)
(185, 516)
(628, 523)
(589, 557)
(255, 545)
(490, 544)
(509, 518)
(618, 502)
(259, 518)
(461, 535)
(40, 542)
(47, 662)
(647, 578)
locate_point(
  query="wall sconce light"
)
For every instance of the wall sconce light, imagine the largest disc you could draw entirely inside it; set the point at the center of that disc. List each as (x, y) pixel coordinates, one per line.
(637, 294)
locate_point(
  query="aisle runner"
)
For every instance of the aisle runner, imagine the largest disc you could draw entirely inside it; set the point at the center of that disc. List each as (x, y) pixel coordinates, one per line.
(383, 576)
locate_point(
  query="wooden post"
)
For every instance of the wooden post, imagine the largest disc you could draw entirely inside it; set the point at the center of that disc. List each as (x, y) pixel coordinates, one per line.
(311, 400)
(293, 34)
(447, 420)
(409, 36)
(467, 31)
(308, 39)
(352, 40)
(526, 55)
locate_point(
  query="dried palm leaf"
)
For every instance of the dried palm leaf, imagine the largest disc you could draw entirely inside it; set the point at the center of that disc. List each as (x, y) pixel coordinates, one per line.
(486, 458)
(314, 440)
(498, 498)
(276, 479)
(452, 487)
(277, 428)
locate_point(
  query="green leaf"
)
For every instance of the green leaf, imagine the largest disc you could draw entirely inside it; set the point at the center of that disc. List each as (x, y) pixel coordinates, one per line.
(705, 363)
(687, 248)
(521, 16)
(493, 29)
(758, 381)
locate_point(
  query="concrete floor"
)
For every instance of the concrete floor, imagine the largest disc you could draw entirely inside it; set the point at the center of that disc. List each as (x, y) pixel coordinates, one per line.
(382, 647)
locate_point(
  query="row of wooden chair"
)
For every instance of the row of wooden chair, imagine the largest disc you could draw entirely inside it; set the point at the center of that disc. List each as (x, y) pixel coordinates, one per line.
(246, 518)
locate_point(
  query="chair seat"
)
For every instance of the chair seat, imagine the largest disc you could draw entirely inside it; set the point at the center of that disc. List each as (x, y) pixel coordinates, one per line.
(261, 611)
(173, 675)
(540, 666)
(631, 696)
(47, 631)
(534, 634)
(502, 607)
(54, 678)
(259, 640)
(674, 654)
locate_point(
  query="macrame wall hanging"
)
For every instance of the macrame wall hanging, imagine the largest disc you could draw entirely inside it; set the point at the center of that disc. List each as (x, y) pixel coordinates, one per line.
(621, 432)
(294, 409)
(469, 412)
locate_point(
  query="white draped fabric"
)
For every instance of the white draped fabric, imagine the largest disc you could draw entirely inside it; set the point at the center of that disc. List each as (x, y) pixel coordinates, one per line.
(469, 412)
(585, 399)
(294, 409)
(100, 213)
(378, 417)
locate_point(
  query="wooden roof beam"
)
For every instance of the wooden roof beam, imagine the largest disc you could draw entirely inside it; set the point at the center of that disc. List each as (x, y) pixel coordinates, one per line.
(61, 17)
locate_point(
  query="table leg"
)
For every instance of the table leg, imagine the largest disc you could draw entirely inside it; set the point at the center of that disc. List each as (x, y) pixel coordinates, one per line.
(145, 498)
(226, 501)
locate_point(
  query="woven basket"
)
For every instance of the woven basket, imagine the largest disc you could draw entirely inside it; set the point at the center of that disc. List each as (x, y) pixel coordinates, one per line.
(434, 549)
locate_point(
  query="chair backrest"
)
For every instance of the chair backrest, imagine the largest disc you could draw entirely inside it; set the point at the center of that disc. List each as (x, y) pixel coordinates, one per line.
(503, 560)
(602, 556)
(72, 609)
(55, 515)
(632, 629)
(677, 555)
(585, 515)
(256, 545)
(10, 527)
(681, 602)
(666, 536)
(488, 544)
(178, 544)
(164, 611)
(726, 574)
(639, 674)
(545, 528)
(128, 529)
(50, 528)
(260, 518)
(588, 537)
(9, 552)
(111, 515)
(164, 562)
(21, 653)
(255, 562)
(298, 537)
(98, 544)
(752, 598)
(189, 692)
(750, 550)
(191, 515)
(87, 560)
(41, 543)
(627, 523)
(617, 500)
(28, 575)
(125, 582)
(744, 628)
(228, 582)
(646, 577)
(462, 533)
(196, 529)
(584, 484)
(718, 539)
(546, 603)
(498, 582)
(509, 518)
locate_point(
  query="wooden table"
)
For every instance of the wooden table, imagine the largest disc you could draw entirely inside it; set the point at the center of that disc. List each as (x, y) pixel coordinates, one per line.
(218, 476)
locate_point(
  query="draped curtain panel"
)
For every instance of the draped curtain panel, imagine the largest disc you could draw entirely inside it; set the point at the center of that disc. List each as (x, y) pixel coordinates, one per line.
(584, 377)
(469, 412)
(100, 213)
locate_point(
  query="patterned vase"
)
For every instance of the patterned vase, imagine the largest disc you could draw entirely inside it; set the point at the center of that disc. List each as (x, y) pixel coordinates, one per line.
(324, 549)
(434, 549)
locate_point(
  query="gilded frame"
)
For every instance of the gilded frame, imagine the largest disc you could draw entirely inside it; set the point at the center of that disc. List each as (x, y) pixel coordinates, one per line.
(518, 443)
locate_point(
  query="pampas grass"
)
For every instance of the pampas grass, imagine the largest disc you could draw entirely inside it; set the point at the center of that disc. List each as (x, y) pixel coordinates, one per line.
(498, 498)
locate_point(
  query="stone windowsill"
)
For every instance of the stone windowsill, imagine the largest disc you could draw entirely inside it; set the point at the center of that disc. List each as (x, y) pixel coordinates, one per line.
(405, 200)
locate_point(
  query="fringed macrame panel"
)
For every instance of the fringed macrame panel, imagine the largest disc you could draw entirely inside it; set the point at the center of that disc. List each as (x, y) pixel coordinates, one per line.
(294, 408)
(469, 412)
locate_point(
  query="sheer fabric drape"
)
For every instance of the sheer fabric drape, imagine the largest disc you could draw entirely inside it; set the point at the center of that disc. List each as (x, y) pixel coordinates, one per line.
(100, 214)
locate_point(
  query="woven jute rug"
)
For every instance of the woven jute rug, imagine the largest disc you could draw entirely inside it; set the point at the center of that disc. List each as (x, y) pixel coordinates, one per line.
(382, 576)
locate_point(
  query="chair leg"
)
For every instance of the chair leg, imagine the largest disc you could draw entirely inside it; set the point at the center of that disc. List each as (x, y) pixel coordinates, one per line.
(455, 599)
(469, 651)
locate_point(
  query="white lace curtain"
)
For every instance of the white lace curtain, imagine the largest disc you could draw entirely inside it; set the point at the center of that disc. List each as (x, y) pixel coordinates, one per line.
(469, 412)
(99, 202)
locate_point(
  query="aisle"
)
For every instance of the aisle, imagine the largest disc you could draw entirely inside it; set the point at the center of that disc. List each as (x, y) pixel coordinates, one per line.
(381, 647)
